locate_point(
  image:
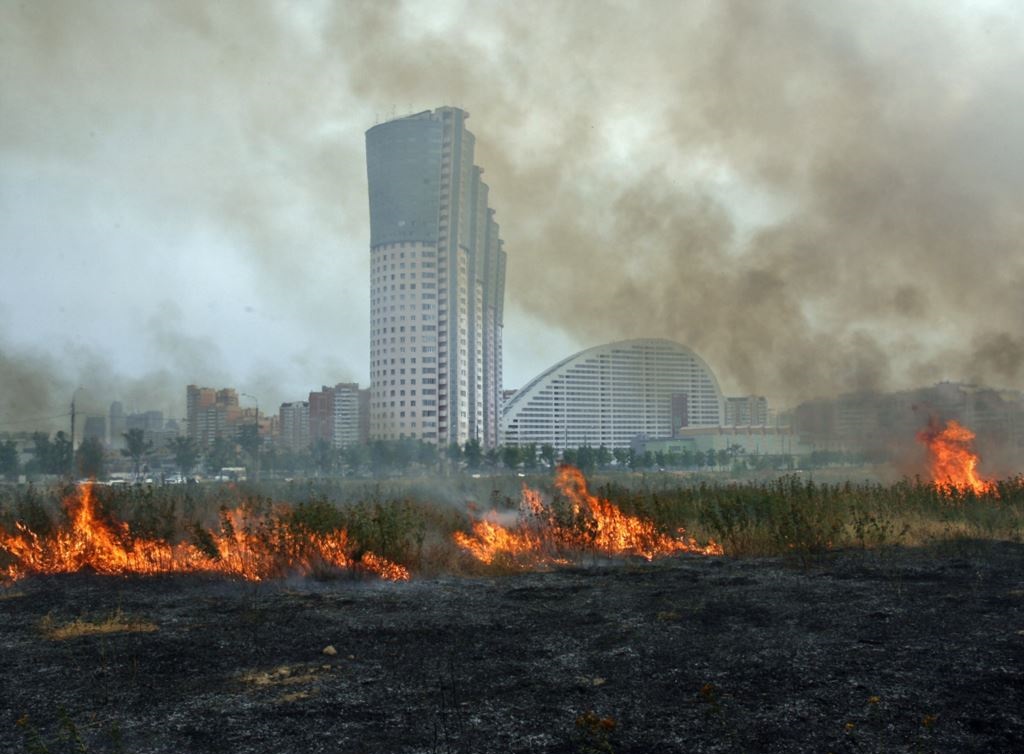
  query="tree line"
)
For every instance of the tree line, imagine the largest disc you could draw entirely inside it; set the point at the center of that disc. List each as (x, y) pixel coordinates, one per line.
(376, 458)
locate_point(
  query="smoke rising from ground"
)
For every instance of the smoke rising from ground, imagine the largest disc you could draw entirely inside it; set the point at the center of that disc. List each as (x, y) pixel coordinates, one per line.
(815, 197)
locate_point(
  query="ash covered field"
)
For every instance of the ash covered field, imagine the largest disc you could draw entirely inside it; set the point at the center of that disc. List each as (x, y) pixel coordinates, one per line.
(898, 649)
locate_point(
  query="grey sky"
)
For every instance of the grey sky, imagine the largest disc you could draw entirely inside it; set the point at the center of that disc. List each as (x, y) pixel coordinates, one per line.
(816, 197)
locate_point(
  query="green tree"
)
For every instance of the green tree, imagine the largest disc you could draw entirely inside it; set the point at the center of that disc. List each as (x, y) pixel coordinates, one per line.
(511, 456)
(426, 455)
(603, 457)
(249, 441)
(473, 453)
(355, 457)
(9, 459)
(722, 458)
(586, 458)
(547, 454)
(136, 447)
(269, 457)
(324, 457)
(42, 452)
(454, 454)
(403, 453)
(186, 454)
(528, 456)
(61, 457)
(221, 453)
(492, 456)
(89, 458)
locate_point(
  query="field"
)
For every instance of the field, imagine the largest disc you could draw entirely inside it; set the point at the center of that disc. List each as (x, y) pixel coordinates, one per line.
(841, 617)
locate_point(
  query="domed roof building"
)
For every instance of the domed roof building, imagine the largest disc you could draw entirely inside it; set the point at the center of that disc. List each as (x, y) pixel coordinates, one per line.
(610, 394)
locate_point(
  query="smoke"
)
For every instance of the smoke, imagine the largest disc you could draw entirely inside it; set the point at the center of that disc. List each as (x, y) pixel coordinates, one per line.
(815, 197)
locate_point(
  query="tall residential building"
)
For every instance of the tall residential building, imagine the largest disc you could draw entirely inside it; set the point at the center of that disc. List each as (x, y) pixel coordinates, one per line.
(321, 416)
(210, 413)
(437, 283)
(294, 425)
(346, 414)
(337, 415)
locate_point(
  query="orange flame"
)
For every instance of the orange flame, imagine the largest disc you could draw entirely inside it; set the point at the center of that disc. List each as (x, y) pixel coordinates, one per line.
(542, 537)
(953, 460)
(248, 546)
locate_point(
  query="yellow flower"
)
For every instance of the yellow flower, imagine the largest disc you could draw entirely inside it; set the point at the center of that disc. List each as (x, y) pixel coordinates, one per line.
(874, 699)
(849, 726)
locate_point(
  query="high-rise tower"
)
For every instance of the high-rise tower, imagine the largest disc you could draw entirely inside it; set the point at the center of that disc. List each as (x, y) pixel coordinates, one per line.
(437, 283)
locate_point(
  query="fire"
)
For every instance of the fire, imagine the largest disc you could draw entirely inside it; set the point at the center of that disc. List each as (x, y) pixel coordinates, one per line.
(248, 545)
(953, 460)
(544, 536)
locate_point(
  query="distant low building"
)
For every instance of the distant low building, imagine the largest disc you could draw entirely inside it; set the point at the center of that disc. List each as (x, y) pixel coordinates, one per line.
(886, 424)
(750, 441)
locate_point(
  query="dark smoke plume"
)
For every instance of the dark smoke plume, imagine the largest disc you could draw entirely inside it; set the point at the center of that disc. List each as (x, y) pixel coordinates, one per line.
(817, 197)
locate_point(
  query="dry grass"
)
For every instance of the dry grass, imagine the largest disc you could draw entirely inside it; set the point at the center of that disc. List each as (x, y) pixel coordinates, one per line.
(280, 676)
(115, 623)
(286, 678)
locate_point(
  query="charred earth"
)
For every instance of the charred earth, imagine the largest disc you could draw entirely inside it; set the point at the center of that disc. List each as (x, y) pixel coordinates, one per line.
(898, 650)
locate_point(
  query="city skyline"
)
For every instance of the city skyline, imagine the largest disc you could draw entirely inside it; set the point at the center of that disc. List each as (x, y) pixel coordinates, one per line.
(816, 198)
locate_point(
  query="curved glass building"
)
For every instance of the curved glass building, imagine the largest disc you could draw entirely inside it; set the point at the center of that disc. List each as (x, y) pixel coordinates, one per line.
(437, 283)
(610, 394)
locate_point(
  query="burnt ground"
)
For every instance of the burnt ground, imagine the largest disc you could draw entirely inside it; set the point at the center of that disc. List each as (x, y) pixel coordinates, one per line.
(901, 651)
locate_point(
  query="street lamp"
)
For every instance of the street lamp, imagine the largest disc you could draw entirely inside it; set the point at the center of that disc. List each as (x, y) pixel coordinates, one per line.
(70, 470)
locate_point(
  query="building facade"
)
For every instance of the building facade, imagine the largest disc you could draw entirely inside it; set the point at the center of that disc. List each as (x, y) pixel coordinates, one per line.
(437, 284)
(339, 415)
(294, 425)
(347, 415)
(746, 411)
(210, 414)
(117, 425)
(611, 394)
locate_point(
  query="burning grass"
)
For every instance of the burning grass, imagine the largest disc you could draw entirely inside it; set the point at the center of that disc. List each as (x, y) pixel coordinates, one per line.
(953, 460)
(248, 543)
(323, 534)
(547, 533)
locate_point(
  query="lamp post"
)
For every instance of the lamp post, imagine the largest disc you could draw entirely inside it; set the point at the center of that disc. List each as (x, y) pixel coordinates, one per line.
(70, 470)
(255, 438)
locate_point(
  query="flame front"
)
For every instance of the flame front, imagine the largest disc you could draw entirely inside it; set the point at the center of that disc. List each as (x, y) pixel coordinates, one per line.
(953, 460)
(248, 546)
(542, 537)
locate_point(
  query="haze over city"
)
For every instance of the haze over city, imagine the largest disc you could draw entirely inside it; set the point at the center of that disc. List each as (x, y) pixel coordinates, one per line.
(815, 197)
